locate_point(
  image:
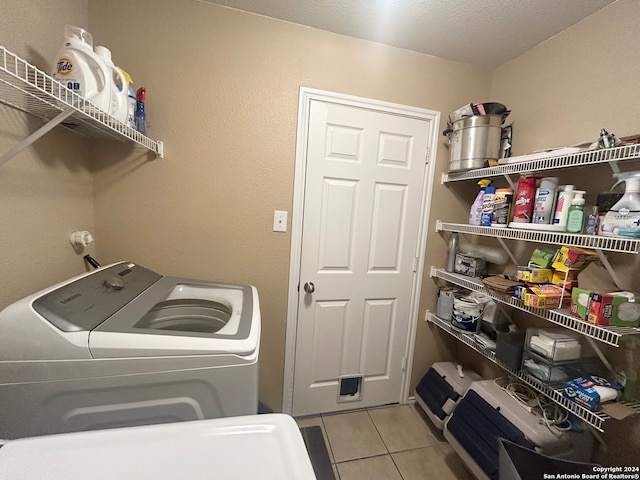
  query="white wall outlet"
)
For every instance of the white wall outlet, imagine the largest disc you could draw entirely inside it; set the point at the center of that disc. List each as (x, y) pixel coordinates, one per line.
(279, 221)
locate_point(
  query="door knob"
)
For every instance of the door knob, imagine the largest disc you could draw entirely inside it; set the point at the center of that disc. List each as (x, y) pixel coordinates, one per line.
(309, 287)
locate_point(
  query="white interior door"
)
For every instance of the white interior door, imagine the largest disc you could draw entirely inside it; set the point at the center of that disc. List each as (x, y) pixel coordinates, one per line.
(363, 195)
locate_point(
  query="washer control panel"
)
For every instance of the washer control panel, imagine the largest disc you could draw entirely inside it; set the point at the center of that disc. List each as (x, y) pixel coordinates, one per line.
(85, 303)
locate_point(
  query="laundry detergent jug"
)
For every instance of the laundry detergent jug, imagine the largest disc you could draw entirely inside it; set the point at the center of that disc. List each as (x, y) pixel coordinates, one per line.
(623, 219)
(117, 84)
(80, 69)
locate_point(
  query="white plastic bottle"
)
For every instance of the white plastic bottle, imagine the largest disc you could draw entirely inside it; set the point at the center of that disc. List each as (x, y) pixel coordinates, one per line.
(562, 205)
(543, 206)
(80, 69)
(118, 85)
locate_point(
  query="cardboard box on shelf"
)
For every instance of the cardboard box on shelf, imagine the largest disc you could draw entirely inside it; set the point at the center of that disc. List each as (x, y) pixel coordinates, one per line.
(544, 296)
(543, 257)
(534, 274)
(567, 279)
(579, 302)
(572, 258)
(618, 309)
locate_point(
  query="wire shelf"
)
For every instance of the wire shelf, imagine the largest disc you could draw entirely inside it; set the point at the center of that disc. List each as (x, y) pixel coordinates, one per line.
(610, 244)
(595, 419)
(580, 159)
(604, 334)
(24, 87)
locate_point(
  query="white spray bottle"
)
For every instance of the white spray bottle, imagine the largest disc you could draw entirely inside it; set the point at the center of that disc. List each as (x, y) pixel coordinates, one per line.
(623, 219)
(476, 208)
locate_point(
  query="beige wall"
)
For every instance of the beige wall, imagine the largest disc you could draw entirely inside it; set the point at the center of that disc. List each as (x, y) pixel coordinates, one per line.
(47, 189)
(223, 95)
(563, 92)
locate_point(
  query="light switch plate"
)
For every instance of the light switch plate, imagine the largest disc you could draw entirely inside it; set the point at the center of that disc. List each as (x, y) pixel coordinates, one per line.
(279, 221)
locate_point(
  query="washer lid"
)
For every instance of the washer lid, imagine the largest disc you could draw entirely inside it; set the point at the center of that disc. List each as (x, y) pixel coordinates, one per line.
(264, 447)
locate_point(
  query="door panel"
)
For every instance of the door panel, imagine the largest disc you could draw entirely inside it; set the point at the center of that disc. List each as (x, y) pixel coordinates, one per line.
(363, 195)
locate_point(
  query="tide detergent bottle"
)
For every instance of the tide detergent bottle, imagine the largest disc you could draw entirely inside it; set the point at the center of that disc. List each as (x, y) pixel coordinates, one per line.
(118, 85)
(80, 69)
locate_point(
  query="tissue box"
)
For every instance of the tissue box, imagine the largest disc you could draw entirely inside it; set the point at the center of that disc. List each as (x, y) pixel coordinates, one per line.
(470, 266)
(535, 274)
(544, 296)
(583, 391)
(619, 309)
(572, 258)
(579, 302)
(542, 258)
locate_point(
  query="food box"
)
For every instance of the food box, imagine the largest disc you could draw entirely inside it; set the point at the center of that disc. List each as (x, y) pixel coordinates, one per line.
(534, 274)
(572, 258)
(470, 266)
(543, 258)
(619, 309)
(567, 279)
(544, 296)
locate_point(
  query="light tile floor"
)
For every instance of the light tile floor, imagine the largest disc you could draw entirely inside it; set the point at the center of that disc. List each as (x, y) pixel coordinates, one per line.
(396, 442)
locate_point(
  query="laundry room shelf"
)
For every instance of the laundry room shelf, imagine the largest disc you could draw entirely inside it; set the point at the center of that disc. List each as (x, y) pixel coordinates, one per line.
(579, 159)
(595, 419)
(26, 88)
(596, 242)
(605, 334)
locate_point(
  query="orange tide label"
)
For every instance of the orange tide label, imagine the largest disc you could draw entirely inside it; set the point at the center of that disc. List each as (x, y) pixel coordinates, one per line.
(64, 66)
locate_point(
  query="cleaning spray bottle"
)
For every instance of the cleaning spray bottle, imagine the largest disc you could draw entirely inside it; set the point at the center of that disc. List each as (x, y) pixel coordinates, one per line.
(476, 208)
(487, 206)
(141, 115)
(624, 217)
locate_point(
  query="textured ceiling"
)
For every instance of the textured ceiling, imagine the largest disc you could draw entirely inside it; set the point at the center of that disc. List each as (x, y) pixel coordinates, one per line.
(487, 33)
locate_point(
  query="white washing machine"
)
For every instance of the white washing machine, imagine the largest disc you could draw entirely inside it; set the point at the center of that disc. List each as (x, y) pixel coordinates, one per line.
(123, 346)
(253, 447)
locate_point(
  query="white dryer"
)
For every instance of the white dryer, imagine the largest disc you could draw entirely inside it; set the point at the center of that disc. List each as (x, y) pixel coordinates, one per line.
(123, 346)
(253, 447)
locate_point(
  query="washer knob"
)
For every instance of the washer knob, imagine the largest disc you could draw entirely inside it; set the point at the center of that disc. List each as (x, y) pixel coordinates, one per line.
(114, 283)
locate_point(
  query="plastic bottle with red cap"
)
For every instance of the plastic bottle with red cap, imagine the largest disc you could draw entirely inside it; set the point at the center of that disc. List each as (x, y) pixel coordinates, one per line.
(141, 115)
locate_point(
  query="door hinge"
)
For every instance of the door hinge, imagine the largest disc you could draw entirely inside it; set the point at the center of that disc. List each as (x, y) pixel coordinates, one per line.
(428, 155)
(404, 364)
(415, 264)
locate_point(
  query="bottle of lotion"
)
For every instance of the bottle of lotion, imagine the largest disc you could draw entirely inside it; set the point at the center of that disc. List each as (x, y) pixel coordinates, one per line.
(575, 219)
(562, 206)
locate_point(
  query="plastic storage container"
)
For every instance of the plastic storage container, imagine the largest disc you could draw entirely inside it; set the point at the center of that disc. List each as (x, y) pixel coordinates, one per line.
(440, 390)
(555, 356)
(487, 413)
